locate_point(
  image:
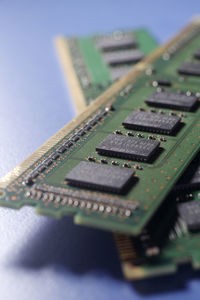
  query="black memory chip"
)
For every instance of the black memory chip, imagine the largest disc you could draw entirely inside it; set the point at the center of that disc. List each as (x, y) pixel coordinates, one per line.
(191, 68)
(172, 100)
(128, 147)
(118, 40)
(100, 177)
(197, 54)
(190, 214)
(122, 57)
(163, 82)
(153, 122)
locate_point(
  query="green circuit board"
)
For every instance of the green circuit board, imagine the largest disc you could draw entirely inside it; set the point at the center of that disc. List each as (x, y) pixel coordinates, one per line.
(180, 247)
(110, 176)
(91, 60)
(170, 246)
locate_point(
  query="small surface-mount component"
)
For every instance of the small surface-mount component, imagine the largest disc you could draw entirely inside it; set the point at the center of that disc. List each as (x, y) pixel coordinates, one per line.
(153, 122)
(91, 158)
(47, 162)
(117, 132)
(152, 137)
(118, 40)
(140, 135)
(54, 155)
(191, 68)
(189, 213)
(197, 54)
(81, 132)
(130, 133)
(172, 100)
(115, 163)
(41, 168)
(68, 144)
(162, 82)
(163, 139)
(103, 161)
(74, 138)
(128, 147)
(100, 177)
(113, 58)
(126, 165)
(61, 149)
(138, 167)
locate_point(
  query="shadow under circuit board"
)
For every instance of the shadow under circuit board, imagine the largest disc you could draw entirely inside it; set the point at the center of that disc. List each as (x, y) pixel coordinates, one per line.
(101, 59)
(159, 250)
(113, 166)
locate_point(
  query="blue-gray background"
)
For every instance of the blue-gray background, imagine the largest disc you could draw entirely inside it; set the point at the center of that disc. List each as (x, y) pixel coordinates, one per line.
(41, 258)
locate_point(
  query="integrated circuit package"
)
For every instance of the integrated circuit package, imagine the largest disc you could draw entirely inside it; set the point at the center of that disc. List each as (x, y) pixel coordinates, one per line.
(128, 147)
(179, 101)
(153, 122)
(190, 68)
(100, 177)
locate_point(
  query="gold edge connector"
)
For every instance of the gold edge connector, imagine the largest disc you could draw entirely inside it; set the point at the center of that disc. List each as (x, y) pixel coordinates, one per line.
(64, 55)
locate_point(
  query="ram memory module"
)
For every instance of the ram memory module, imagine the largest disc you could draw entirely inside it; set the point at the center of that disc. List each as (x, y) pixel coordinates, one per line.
(106, 174)
(99, 60)
(176, 239)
